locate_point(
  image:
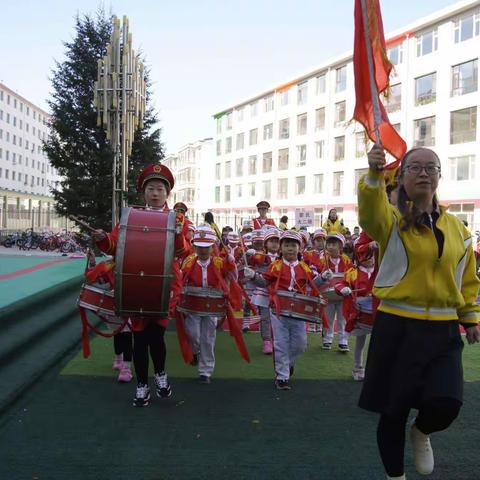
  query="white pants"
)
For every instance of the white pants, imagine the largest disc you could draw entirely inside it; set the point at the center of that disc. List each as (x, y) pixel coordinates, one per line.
(202, 332)
(289, 341)
(335, 309)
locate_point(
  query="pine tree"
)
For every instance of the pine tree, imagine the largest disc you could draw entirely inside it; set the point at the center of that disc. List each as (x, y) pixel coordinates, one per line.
(76, 147)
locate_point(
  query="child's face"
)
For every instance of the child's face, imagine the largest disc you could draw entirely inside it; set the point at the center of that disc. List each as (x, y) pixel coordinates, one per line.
(290, 249)
(263, 212)
(155, 193)
(334, 248)
(203, 252)
(370, 263)
(319, 243)
(273, 245)
(258, 245)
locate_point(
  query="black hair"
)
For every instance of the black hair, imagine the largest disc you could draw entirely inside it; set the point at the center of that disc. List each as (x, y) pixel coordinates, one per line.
(208, 217)
(330, 212)
(284, 219)
(411, 214)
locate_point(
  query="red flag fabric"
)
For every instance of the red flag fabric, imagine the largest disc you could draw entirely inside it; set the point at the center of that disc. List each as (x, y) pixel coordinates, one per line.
(389, 137)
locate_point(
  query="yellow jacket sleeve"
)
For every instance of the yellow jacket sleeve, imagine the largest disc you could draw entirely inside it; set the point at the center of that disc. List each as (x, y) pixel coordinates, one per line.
(375, 214)
(470, 312)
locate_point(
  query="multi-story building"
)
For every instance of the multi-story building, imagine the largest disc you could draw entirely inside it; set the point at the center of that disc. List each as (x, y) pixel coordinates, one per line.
(25, 172)
(294, 145)
(192, 167)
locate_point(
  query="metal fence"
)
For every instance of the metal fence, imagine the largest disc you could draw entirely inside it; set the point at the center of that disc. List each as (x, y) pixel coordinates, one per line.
(38, 219)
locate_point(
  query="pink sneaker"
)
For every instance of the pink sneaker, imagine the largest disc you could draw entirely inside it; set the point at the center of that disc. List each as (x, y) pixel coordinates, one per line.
(125, 375)
(118, 363)
(267, 347)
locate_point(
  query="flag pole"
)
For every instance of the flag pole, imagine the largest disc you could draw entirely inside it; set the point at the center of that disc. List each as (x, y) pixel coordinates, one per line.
(377, 117)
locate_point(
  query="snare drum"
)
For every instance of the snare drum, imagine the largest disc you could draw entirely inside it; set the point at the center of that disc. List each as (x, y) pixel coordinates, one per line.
(96, 299)
(144, 260)
(328, 288)
(294, 304)
(365, 305)
(202, 301)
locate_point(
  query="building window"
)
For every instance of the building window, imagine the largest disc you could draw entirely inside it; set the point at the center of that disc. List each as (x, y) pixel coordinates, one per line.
(393, 102)
(467, 27)
(462, 168)
(228, 144)
(284, 97)
(427, 42)
(253, 136)
(267, 162)
(217, 171)
(360, 144)
(299, 185)
(268, 131)
(219, 147)
(269, 103)
(282, 188)
(228, 169)
(339, 148)
(219, 125)
(238, 189)
(341, 79)
(359, 173)
(318, 183)
(426, 89)
(424, 132)
(283, 154)
(395, 54)
(465, 78)
(284, 128)
(340, 113)
(251, 189)
(267, 189)
(253, 109)
(239, 167)
(302, 124)
(463, 211)
(229, 120)
(252, 165)
(463, 125)
(302, 93)
(337, 183)
(240, 138)
(240, 114)
(320, 119)
(319, 148)
(301, 155)
(227, 193)
(320, 84)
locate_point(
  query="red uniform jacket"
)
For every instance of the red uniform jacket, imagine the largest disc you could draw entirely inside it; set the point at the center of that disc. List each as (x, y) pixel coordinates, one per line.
(216, 270)
(259, 222)
(279, 277)
(260, 261)
(313, 258)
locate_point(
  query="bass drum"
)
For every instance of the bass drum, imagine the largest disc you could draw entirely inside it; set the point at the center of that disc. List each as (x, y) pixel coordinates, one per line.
(144, 260)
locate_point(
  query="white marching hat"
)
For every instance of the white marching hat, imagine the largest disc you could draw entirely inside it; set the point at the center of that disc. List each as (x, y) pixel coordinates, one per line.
(204, 236)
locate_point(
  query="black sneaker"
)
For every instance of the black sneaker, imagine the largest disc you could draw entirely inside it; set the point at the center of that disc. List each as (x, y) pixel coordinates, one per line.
(343, 348)
(205, 379)
(194, 361)
(282, 385)
(142, 396)
(245, 329)
(162, 386)
(326, 346)
(292, 369)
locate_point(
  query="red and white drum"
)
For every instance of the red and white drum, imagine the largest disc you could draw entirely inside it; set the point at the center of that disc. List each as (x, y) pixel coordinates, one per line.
(96, 299)
(144, 259)
(328, 288)
(202, 301)
(294, 304)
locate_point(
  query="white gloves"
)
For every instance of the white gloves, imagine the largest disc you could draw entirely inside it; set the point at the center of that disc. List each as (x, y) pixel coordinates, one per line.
(249, 273)
(251, 251)
(346, 291)
(327, 275)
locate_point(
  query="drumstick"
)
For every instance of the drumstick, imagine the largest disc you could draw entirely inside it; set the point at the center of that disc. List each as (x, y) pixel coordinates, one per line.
(82, 223)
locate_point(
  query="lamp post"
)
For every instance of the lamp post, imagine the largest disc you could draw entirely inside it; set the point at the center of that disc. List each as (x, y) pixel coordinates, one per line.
(120, 95)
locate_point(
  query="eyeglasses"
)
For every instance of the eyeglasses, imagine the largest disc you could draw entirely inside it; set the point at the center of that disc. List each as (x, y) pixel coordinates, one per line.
(429, 169)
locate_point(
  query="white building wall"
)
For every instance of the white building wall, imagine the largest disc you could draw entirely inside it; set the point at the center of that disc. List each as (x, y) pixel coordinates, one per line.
(452, 190)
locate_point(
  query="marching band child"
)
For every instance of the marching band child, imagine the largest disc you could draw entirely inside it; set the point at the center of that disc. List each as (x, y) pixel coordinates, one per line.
(312, 257)
(262, 218)
(337, 263)
(290, 274)
(203, 269)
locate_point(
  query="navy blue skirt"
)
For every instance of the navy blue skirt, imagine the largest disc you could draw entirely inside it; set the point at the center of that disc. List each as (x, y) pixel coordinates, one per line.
(411, 361)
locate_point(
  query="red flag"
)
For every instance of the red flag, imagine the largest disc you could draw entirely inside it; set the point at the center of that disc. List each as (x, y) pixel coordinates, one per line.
(364, 108)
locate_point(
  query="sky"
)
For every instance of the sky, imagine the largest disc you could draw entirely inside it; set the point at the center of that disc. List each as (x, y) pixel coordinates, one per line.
(204, 55)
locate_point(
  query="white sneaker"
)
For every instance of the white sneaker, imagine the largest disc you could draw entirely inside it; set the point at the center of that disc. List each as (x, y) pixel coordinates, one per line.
(422, 451)
(358, 374)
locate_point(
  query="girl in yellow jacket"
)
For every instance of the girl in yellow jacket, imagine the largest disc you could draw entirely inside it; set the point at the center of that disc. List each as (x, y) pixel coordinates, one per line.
(427, 286)
(334, 224)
